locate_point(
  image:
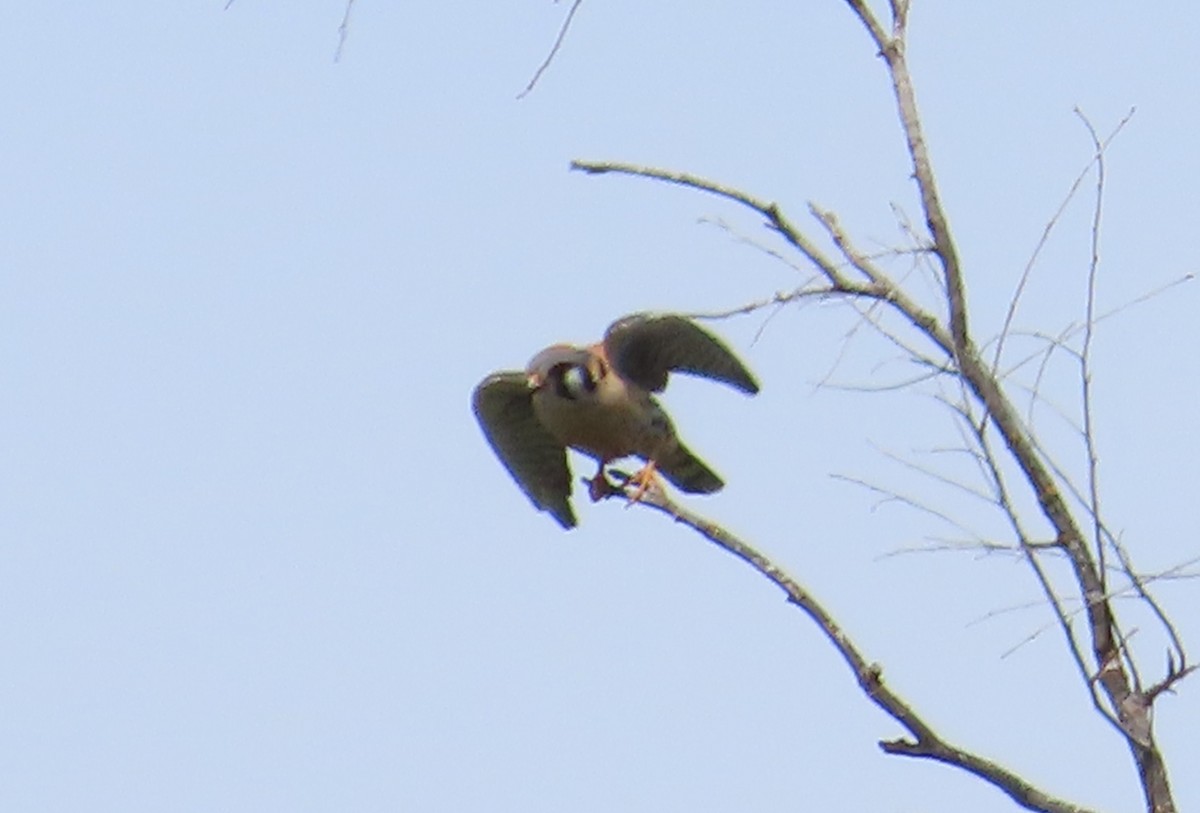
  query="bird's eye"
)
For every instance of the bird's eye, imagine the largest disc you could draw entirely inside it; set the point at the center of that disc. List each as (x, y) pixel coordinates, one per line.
(574, 382)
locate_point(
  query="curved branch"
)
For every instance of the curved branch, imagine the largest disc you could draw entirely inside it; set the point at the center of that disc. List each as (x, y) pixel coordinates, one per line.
(879, 285)
(925, 742)
(770, 211)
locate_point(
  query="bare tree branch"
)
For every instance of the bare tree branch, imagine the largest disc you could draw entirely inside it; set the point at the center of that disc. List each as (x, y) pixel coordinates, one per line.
(558, 41)
(343, 31)
(893, 52)
(1085, 355)
(871, 22)
(1138, 583)
(925, 743)
(770, 211)
(1027, 273)
(889, 495)
(936, 476)
(746, 239)
(1131, 712)
(1008, 448)
(1060, 342)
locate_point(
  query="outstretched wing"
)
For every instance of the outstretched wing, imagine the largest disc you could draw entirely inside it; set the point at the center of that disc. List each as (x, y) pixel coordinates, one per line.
(503, 406)
(646, 347)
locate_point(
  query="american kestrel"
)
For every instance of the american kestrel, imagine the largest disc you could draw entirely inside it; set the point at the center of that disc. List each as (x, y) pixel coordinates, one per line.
(597, 399)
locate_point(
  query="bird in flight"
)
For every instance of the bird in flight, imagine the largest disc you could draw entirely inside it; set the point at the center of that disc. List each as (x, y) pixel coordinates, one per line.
(597, 400)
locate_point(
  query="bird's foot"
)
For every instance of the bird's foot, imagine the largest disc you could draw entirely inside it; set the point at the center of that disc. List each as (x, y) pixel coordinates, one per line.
(642, 481)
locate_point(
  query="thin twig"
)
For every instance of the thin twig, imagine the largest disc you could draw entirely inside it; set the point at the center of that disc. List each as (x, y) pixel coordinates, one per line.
(746, 239)
(558, 41)
(1061, 341)
(964, 425)
(1085, 355)
(1027, 273)
(343, 31)
(939, 544)
(888, 495)
(980, 429)
(937, 476)
(1138, 583)
(775, 218)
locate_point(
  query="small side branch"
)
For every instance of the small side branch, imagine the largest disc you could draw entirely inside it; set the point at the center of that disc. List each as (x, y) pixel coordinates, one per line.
(343, 31)
(871, 22)
(877, 286)
(769, 210)
(558, 41)
(1019, 790)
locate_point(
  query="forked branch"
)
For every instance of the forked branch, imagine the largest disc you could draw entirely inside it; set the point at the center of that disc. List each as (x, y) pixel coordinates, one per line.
(1108, 673)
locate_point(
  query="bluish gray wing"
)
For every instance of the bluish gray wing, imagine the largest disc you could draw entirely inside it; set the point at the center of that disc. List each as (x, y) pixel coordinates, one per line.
(645, 347)
(504, 408)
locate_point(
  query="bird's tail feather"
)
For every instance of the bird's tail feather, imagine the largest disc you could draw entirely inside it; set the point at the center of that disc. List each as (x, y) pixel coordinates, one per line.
(687, 472)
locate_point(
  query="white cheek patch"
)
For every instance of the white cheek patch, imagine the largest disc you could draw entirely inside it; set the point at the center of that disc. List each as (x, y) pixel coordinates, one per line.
(575, 382)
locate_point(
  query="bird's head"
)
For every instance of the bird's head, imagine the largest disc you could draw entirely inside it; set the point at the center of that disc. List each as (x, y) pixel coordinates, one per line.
(567, 371)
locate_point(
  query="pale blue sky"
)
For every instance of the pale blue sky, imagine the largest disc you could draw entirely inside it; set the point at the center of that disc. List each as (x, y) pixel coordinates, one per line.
(254, 553)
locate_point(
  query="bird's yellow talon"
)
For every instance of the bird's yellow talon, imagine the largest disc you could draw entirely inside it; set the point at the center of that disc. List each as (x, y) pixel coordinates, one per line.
(642, 480)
